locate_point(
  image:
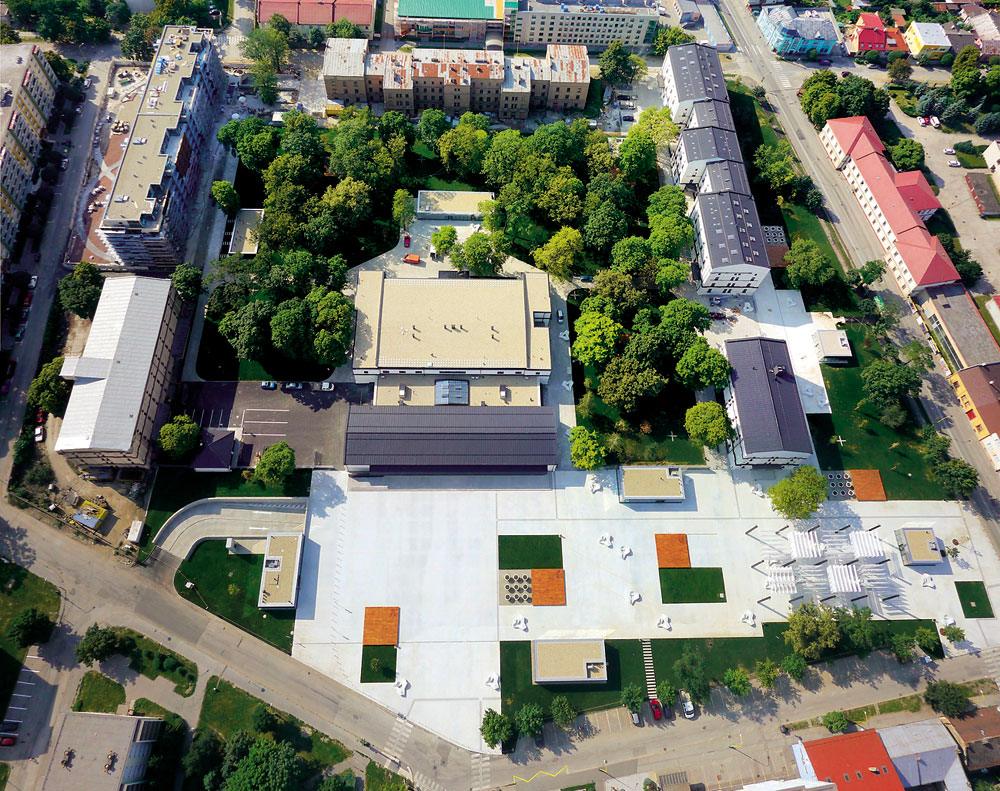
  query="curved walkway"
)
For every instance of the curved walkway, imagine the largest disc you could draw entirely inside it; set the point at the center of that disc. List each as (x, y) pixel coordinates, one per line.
(229, 517)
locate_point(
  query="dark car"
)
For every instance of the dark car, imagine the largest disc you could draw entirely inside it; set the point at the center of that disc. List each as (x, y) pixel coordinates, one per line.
(40, 417)
(406, 240)
(9, 727)
(824, 63)
(11, 367)
(628, 117)
(844, 73)
(27, 299)
(586, 278)
(19, 334)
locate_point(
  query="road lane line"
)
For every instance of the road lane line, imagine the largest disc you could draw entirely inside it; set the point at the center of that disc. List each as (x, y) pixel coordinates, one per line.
(270, 422)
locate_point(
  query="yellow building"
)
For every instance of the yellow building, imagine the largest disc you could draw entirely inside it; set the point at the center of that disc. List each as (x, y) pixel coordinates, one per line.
(926, 39)
(27, 94)
(978, 391)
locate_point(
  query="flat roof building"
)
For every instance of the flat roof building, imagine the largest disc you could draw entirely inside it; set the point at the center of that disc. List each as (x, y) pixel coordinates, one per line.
(978, 391)
(832, 346)
(279, 580)
(569, 661)
(243, 241)
(453, 20)
(691, 73)
(923, 754)
(918, 546)
(764, 406)
(147, 219)
(538, 22)
(450, 205)
(642, 484)
(729, 251)
(122, 379)
(100, 752)
(978, 736)
(956, 322)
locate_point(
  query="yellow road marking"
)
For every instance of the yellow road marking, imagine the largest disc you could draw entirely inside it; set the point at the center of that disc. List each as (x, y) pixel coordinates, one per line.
(564, 770)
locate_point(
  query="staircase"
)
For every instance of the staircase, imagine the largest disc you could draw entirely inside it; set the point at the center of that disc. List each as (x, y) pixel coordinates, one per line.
(647, 662)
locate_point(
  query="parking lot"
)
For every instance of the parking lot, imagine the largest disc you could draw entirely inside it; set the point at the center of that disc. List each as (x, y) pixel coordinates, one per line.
(311, 420)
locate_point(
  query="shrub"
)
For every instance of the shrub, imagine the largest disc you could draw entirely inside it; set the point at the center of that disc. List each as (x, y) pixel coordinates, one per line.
(836, 721)
(795, 665)
(947, 698)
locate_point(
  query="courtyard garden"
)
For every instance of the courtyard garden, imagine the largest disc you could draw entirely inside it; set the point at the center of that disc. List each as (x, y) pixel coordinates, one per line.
(854, 438)
(378, 664)
(227, 585)
(530, 552)
(692, 586)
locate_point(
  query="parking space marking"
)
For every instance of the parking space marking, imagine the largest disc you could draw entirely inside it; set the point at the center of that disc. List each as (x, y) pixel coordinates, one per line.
(264, 409)
(269, 422)
(256, 434)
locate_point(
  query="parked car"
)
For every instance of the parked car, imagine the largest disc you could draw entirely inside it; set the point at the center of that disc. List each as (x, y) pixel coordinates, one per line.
(406, 240)
(79, 109)
(19, 335)
(34, 278)
(628, 117)
(39, 433)
(27, 299)
(88, 82)
(586, 278)
(935, 122)
(624, 96)
(628, 105)
(635, 718)
(11, 368)
(654, 706)
(268, 385)
(954, 163)
(688, 710)
(844, 73)
(64, 164)
(559, 316)
(40, 417)
(825, 62)
(949, 151)
(922, 121)
(293, 386)
(717, 316)
(8, 741)
(326, 386)
(10, 726)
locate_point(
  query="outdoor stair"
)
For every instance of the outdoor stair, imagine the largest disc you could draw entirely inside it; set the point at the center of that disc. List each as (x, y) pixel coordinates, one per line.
(647, 661)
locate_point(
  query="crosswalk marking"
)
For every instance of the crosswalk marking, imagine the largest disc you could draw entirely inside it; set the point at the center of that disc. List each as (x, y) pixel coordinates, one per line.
(480, 771)
(398, 737)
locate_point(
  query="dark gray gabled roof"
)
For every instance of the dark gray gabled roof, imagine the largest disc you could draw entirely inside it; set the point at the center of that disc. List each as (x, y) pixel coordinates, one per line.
(708, 143)
(732, 230)
(697, 72)
(725, 176)
(711, 112)
(767, 397)
(411, 438)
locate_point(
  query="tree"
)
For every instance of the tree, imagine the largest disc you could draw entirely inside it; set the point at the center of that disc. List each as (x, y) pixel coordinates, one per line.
(265, 82)
(430, 127)
(808, 265)
(558, 254)
(918, 354)
(626, 382)
(901, 646)
(204, 755)
(933, 445)
(8, 35)
(444, 239)
(813, 200)
(702, 366)
(632, 697)
(280, 24)
(868, 273)
(690, 671)
(345, 781)
(893, 416)
(952, 633)
(586, 450)
(767, 672)
(96, 645)
(617, 67)
(597, 337)
(496, 728)
(227, 197)
(478, 255)
(262, 719)
(343, 28)
(463, 149)
(268, 766)
(666, 693)
(681, 319)
(899, 69)
(637, 154)
(604, 227)
(966, 73)
(670, 234)
(49, 391)
(658, 123)
(707, 424)
(29, 628)
(957, 478)
(670, 274)
(404, 209)
(812, 629)
(667, 37)
(562, 198)
(187, 282)
(855, 623)
(988, 123)
(927, 639)
(563, 712)
(630, 255)
(947, 698)
(836, 721)
(795, 666)
(137, 43)
(265, 46)
(666, 200)
(737, 681)
(248, 329)
(775, 165)
(886, 382)
(334, 323)
(800, 494)
(529, 719)
(276, 463)
(179, 437)
(907, 154)
(80, 291)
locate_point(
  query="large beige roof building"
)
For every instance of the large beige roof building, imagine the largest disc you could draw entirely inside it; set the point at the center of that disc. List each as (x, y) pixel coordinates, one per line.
(456, 80)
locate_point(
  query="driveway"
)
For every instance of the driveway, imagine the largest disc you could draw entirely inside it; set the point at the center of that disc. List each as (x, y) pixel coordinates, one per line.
(312, 421)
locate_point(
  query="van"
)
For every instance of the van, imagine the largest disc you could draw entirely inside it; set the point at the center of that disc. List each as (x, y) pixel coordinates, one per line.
(434, 253)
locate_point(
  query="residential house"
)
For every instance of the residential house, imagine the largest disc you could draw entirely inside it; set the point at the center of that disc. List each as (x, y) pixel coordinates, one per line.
(696, 148)
(977, 734)
(319, 13)
(729, 252)
(926, 40)
(924, 755)
(868, 34)
(857, 761)
(978, 390)
(763, 403)
(687, 11)
(958, 38)
(791, 32)
(536, 23)
(987, 29)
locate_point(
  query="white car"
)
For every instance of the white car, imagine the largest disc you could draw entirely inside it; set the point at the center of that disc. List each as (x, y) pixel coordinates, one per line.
(949, 151)
(688, 710)
(39, 433)
(293, 386)
(326, 386)
(88, 82)
(922, 121)
(33, 282)
(954, 163)
(935, 122)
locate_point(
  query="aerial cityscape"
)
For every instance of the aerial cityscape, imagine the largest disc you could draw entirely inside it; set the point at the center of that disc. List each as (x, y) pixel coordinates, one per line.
(453, 396)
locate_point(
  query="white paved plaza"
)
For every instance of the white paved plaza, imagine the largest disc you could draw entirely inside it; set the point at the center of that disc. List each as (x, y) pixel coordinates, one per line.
(429, 546)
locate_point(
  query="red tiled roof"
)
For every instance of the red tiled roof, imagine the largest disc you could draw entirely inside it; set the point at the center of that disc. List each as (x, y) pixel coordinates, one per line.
(854, 132)
(913, 186)
(854, 755)
(894, 40)
(871, 21)
(925, 257)
(317, 12)
(360, 12)
(321, 13)
(287, 8)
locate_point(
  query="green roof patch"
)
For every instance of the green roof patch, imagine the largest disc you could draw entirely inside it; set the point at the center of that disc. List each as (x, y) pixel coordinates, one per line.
(449, 9)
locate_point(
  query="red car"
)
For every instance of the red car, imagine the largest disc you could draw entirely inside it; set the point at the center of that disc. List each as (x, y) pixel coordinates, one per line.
(27, 298)
(406, 240)
(657, 711)
(8, 741)
(40, 417)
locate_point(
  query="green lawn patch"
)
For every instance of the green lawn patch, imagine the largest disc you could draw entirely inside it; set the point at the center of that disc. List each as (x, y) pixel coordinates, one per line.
(4, 774)
(438, 183)
(530, 552)
(895, 453)
(912, 703)
(905, 100)
(975, 601)
(151, 659)
(982, 300)
(421, 149)
(972, 160)
(176, 487)
(19, 591)
(378, 778)
(227, 709)
(98, 693)
(692, 586)
(861, 714)
(584, 787)
(228, 585)
(386, 656)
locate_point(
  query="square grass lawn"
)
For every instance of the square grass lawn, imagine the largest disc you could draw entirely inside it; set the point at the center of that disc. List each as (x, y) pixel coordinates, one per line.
(692, 586)
(98, 693)
(530, 552)
(975, 601)
(386, 655)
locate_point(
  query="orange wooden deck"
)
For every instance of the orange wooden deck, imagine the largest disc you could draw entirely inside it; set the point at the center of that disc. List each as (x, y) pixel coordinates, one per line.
(672, 551)
(548, 587)
(381, 626)
(867, 485)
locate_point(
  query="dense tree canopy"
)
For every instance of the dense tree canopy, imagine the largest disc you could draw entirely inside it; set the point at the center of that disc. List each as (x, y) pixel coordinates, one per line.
(179, 437)
(80, 291)
(800, 494)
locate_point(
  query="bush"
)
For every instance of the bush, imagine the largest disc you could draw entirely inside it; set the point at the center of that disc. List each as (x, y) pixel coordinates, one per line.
(795, 665)
(836, 721)
(947, 698)
(29, 628)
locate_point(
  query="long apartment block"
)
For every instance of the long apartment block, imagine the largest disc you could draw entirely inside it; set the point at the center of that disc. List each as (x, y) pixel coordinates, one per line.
(27, 96)
(456, 80)
(730, 256)
(147, 219)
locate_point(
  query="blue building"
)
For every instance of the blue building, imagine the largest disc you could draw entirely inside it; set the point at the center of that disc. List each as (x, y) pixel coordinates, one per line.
(788, 32)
